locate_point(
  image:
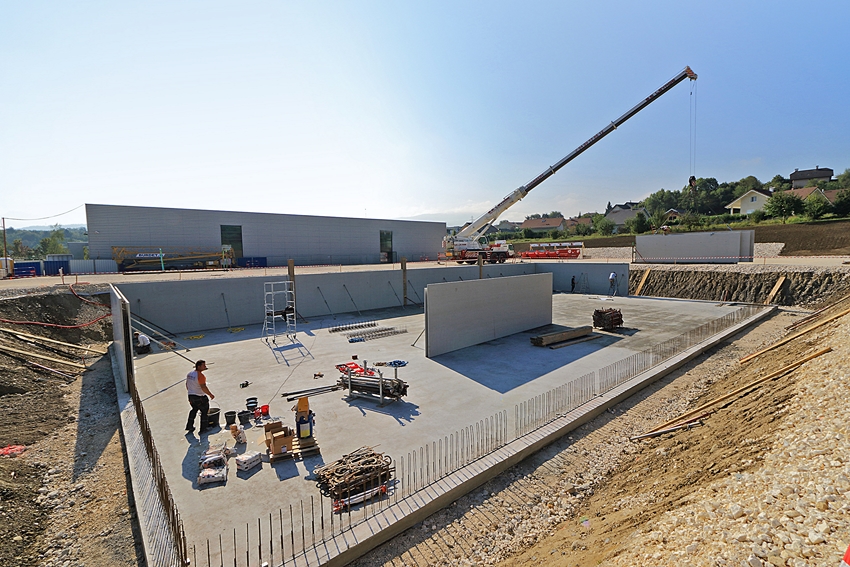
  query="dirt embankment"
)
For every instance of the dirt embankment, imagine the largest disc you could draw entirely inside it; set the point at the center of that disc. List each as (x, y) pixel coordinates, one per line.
(65, 500)
(750, 284)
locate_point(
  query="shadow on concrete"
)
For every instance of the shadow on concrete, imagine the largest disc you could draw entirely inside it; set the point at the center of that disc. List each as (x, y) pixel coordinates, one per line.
(509, 362)
(280, 352)
(402, 411)
(285, 469)
(312, 462)
(244, 475)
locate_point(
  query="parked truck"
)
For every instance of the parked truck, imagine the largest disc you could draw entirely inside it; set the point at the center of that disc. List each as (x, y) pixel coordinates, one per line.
(470, 242)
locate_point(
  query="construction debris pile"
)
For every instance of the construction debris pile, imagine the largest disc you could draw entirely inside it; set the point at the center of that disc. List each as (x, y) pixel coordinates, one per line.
(607, 319)
(359, 472)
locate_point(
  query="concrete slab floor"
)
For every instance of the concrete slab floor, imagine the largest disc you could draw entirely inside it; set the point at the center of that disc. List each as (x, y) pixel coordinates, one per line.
(446, 394)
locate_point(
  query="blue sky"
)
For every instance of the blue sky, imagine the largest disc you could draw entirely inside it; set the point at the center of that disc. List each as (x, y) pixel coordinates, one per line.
(427, 110)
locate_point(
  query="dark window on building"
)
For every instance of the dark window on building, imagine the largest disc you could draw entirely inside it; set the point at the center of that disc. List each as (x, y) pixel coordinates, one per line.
(387, 246)
(232, 235)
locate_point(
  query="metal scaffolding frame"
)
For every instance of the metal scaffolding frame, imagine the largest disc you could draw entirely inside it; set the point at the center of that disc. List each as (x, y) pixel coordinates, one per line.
(279, 309)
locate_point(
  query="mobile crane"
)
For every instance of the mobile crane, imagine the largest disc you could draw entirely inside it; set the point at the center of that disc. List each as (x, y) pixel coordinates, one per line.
(470, 243)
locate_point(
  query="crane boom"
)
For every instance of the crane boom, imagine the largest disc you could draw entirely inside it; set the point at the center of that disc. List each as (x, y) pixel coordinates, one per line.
(478, 226)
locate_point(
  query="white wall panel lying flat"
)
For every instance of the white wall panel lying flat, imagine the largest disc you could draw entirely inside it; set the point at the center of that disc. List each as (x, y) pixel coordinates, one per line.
(462, 314)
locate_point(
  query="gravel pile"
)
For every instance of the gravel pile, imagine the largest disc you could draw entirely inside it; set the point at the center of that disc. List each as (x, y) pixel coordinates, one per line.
(792, 511)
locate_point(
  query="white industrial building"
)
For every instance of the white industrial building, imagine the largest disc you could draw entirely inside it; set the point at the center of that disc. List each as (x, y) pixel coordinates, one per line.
(258, 239)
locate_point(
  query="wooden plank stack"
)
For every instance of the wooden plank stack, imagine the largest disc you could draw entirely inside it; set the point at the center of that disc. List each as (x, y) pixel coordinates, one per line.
(359, 471)
(560, 336)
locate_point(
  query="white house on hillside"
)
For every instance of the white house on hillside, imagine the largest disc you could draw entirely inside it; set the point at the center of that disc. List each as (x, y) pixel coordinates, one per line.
(750, 202)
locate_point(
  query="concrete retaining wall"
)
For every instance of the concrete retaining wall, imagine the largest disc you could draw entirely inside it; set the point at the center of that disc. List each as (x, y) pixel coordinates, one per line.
(121, 336)
(192, 305)
(462, 314)
(596, 274)
(721, 247)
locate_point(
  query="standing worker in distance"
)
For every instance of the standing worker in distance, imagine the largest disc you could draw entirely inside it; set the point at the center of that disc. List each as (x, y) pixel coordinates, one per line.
(142, 344)
(612, 282)
(572, 284)
(196, 384)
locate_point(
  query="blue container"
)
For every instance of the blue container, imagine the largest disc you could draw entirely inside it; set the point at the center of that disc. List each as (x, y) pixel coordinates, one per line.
(27, 269)
(252, 262)
(51, 267)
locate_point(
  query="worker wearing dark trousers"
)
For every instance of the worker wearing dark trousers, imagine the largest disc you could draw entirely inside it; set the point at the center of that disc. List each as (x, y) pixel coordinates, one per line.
(196, 385)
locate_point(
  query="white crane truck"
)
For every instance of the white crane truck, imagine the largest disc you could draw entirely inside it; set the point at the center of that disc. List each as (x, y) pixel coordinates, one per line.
(470, 243)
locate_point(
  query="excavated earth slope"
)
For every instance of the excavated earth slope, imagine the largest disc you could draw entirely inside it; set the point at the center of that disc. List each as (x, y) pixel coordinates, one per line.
(741, 283)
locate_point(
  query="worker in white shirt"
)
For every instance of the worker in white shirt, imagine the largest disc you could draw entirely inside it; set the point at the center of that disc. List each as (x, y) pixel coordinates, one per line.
(142, 343)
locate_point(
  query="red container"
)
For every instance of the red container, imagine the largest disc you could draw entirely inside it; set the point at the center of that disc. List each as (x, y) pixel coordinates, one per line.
(265, 410)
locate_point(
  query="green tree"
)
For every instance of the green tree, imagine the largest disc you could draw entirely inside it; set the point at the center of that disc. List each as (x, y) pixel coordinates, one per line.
(657, 220)
(552, 215)
(779, 183)
(757, 216)
(844, 179)
(53, 244)
(534, 216)
(556, 234)
(783, 204)
(637, 224)
(817, 206)
(19, 249)
(527, 233)
(662, 201)
(690, 220)
(841, 206)
(583, 229)
(603, 226)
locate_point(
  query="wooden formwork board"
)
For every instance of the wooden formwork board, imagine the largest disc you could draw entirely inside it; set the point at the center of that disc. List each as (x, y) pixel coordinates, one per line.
(777, 286)
(642, 281)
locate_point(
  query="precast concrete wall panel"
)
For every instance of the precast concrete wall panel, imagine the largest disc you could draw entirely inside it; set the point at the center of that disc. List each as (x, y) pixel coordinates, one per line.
(305, 239)
(748, 245)
(720, 247)
(596, 277)
(462, 314)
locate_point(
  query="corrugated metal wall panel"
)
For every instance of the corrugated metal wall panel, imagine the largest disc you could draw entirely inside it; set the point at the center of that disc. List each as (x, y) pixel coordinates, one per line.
(306, 239)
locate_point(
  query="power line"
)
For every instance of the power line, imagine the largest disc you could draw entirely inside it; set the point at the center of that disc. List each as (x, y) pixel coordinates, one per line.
(50, 217)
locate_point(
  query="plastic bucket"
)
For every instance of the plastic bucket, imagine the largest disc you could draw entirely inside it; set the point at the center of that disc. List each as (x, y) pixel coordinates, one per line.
(229, 418)
(212, 417)
(265, 410)
(245, 417)
(251, 404)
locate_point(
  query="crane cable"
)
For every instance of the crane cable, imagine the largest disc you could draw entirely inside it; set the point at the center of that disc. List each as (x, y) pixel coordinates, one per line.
(692, 123)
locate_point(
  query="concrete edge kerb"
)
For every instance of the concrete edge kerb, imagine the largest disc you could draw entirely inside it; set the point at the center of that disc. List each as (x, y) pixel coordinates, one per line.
(139, 466)
(408, 512)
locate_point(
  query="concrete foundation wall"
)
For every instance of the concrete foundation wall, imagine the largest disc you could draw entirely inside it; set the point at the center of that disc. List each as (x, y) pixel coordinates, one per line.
(306, 239)
(193, 305)
(596, 274)
(462, 314)
(721, 247)
(121, 336)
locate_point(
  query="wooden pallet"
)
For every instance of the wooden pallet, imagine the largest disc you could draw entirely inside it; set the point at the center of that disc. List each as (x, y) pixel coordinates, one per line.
(300, 449)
